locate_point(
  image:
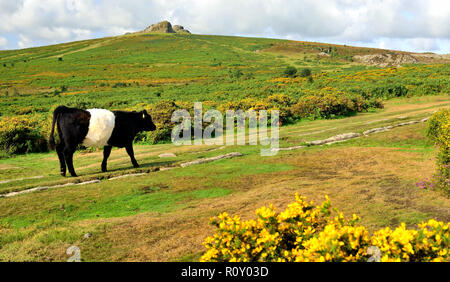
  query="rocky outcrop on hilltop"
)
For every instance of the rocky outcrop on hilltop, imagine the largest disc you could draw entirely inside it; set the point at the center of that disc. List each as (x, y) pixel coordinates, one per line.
(180, 29)
(161, 27)
(165, 27)
(386, 60)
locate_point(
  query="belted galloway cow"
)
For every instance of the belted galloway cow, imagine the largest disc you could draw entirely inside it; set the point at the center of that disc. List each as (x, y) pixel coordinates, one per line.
(96, 128)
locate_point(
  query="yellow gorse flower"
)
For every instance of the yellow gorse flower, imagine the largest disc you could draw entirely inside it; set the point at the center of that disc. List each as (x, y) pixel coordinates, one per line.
(304, 232)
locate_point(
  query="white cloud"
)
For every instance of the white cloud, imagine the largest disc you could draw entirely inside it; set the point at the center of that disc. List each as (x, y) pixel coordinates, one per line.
(24, 42)
(423, 24)
(3, 43)
(426, 44)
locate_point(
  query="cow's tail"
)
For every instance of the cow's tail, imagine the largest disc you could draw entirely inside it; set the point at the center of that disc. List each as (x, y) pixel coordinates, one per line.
(56, 113)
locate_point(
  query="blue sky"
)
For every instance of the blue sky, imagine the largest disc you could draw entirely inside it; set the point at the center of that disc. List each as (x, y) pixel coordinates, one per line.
(415, 25)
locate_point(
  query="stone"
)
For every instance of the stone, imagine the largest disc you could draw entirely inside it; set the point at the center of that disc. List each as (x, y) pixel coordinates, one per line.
(207, 160)
(12, 194)
(167, 168)
(161, 27)
(127, 175)
(165, 27)
(386, 59)
(167, 155)
(336, 138)
(180, 29)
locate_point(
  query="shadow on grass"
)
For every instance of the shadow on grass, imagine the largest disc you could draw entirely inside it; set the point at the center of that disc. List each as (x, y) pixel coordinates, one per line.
(143, 167)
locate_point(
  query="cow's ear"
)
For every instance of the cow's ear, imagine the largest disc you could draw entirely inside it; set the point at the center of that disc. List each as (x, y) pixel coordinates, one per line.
(144, 111)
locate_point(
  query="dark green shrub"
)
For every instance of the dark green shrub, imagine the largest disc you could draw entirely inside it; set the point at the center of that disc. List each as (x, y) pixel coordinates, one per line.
(438, 132)
(330, 105)
(119, 84)
(158, 136)
(305, 72)
(235, 73)
(83, 103)
(389, 91)
(23, 110)
(161, 113)
(290, 71)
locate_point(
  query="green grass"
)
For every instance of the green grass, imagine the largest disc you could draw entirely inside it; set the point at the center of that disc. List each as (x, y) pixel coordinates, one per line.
(232, 168)
(147, 199)
(139, 202)
(163, 216)
(188, 68)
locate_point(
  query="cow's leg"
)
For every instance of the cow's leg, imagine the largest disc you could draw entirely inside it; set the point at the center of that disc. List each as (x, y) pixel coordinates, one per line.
(68, 155)
(130, 152)
(62, 161)
(106, 153)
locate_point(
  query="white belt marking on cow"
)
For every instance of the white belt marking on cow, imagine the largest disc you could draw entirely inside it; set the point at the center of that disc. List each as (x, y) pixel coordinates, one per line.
(101, 126)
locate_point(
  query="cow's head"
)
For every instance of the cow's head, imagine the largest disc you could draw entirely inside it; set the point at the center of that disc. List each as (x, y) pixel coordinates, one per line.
(147, 122)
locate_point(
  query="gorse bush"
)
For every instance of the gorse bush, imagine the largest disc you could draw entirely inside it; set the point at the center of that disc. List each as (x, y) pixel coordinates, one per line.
(161, 113)
(24, 110)
(305, 72)
(328, 103)
(280, 102)
(83, 103)
(290, 71)
(332, 103)
(235, 74)
(244, 104)
(304, 232)
(21, 134)
(283, 103)
(438, 132)
(389, 91)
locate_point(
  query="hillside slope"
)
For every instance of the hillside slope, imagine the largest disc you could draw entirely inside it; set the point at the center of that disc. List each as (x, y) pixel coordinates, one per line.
(128, 70)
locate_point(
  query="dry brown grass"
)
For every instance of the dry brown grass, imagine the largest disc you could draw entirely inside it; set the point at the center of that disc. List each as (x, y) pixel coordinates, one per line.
(7, 166)
(417, 108)
(375, 183)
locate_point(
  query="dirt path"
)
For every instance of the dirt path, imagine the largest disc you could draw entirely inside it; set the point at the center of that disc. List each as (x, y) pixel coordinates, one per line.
(182, 165)
(93, 46)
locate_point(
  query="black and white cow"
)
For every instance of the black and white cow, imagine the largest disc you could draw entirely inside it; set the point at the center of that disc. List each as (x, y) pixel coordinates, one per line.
(96, 128)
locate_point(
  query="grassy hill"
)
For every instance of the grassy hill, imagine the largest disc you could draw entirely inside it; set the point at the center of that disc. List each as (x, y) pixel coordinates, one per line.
(129, 70)
(163, 215)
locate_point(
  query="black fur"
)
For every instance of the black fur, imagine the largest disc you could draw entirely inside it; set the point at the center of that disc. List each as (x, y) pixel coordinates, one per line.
(73, 126)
